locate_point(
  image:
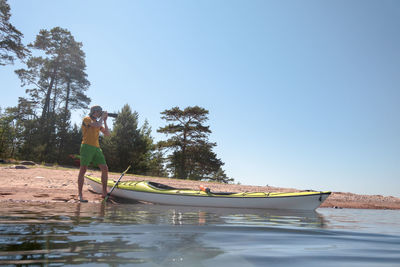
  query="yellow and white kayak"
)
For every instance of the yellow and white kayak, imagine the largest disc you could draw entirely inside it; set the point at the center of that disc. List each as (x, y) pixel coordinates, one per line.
(162, 194)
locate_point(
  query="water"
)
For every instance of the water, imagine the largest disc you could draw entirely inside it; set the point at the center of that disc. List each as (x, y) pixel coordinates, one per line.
(153, 235)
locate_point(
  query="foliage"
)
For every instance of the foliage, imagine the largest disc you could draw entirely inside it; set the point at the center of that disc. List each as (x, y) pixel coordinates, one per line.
(130, 145)
(57, 84)
(58, 78)
(8, 135)
(10, 37)
(192, 156)
(39, 127)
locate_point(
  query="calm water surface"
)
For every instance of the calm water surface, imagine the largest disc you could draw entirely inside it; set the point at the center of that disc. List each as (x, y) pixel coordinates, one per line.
(153, 235)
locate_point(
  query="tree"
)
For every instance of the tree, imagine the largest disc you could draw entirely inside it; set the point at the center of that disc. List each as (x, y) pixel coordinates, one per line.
(157, 163)
(59, 77)
(130, 145)
(188, 131)
(25, 124)
(7, 135)
(72, 141)
(57, 84)
(192, 156)
(221, 177)
(10, 37)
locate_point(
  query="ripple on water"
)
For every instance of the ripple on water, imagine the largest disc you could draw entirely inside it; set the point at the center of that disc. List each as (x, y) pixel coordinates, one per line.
(153, 235)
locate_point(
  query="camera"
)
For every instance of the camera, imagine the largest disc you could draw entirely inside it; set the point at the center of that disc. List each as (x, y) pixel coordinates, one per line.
(112, 115)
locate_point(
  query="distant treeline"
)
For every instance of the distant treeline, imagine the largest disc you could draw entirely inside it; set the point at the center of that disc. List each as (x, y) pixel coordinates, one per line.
(39, 128)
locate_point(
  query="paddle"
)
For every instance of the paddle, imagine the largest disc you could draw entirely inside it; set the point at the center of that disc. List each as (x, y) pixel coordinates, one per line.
(109, 193)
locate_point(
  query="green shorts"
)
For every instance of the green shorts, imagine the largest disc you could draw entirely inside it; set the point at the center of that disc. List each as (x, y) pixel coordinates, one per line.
(91, 154)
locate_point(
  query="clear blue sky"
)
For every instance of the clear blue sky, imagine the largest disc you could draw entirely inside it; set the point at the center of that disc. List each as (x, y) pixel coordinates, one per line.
(301, 94)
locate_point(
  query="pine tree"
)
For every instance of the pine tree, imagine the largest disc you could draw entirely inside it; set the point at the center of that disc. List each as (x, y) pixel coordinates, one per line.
(192, 156)
(130, 145)
(10, 38)
(57, 84)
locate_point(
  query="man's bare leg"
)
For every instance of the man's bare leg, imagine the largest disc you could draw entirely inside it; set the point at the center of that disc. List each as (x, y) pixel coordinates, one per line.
(81, 175)
(104, 178)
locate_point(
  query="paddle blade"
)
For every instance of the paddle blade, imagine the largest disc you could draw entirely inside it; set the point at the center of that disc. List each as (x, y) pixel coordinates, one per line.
(106, 198)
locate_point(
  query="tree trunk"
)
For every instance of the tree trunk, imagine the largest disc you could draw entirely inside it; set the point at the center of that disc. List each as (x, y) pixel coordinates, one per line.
(47, 100)
(46, 106)
(67, 101)
(64, 123)
(183, 173)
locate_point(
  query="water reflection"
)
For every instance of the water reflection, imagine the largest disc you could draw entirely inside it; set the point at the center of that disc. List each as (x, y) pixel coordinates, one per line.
(182, 215)
(42, 234)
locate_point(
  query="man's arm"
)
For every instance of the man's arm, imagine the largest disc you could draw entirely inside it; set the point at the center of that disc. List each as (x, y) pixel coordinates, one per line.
(96, 124)
(104, 130)
(99, 123)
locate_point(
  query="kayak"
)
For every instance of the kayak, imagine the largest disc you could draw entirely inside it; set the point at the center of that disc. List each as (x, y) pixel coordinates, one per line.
(146, 191)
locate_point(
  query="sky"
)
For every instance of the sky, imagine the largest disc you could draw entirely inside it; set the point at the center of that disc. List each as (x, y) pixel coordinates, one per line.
(301, 94)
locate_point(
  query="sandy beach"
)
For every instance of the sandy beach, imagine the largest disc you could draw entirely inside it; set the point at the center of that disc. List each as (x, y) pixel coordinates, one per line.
(38, 183)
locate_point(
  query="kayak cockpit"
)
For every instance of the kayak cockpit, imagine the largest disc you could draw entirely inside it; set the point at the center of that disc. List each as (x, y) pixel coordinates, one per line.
(159, 186)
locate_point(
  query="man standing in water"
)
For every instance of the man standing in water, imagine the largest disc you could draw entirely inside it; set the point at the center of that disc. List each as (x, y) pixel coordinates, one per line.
(90, 147)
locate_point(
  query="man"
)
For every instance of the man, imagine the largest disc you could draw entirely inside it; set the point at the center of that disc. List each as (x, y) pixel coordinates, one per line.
(90, 151)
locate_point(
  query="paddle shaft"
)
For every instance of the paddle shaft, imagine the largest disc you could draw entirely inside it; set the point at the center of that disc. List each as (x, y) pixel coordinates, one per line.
(109, 193)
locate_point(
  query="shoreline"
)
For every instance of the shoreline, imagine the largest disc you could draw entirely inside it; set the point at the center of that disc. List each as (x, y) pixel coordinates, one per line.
(59, 184)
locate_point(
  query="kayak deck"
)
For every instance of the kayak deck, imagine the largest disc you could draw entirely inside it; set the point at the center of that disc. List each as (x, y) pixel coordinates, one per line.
(153, 187)
(146, 191)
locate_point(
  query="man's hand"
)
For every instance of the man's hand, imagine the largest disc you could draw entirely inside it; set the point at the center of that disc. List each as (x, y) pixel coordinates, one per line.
(105, 130)
(104, 116)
